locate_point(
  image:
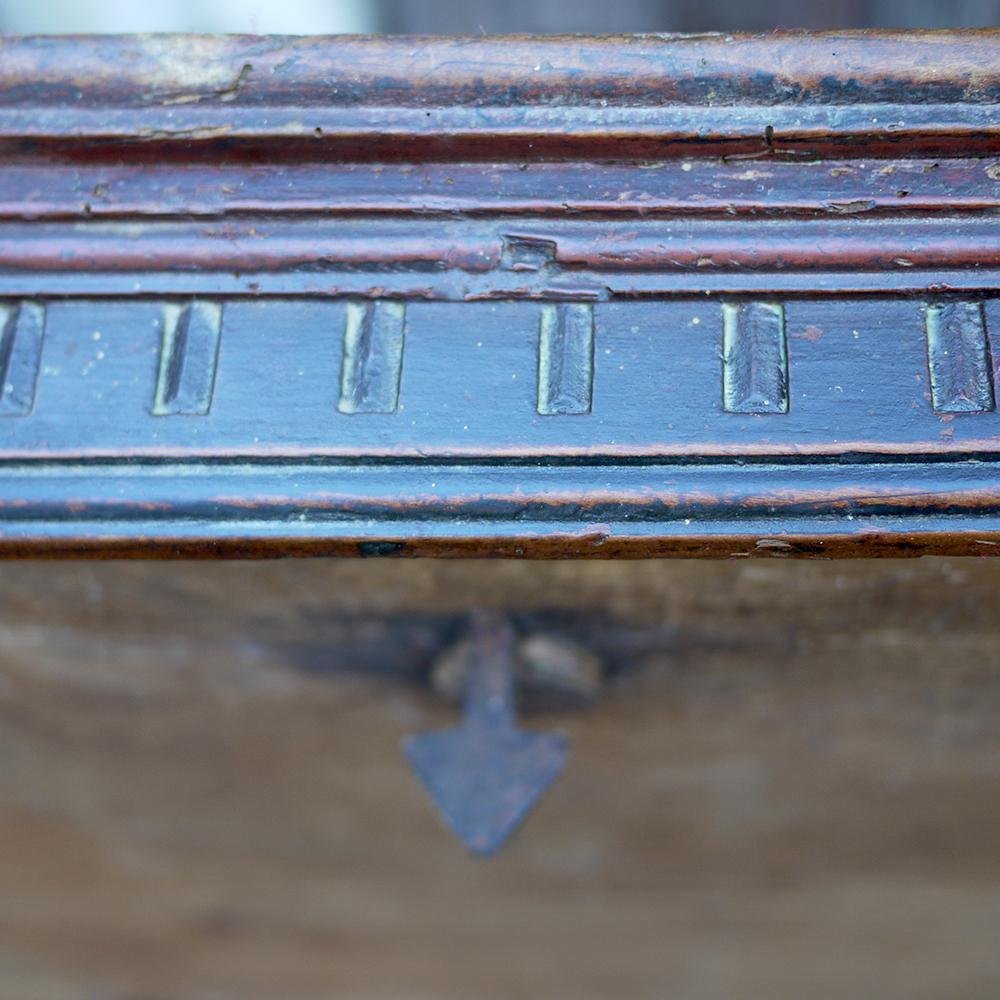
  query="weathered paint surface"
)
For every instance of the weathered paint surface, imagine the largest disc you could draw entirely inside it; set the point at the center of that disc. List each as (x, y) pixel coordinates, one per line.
(529, 296)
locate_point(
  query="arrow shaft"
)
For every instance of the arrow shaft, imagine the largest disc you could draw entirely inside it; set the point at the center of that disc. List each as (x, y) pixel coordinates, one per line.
(489, 686)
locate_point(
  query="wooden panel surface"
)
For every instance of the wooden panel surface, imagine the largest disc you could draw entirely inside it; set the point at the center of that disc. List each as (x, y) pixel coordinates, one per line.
(790, 788)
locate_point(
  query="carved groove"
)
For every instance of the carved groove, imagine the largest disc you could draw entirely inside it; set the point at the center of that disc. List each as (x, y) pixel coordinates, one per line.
(188, 358)
(958, 356)
(566, 359)
(22, 328)
(373, 357)
(755, 358)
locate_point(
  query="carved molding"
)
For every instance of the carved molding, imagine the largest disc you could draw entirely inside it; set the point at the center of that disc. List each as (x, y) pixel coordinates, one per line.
(528, 296)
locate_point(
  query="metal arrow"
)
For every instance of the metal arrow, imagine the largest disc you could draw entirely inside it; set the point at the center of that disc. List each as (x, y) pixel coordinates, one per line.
(486, 774)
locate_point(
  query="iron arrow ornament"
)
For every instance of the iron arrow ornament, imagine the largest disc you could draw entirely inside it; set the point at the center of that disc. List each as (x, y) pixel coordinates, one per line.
(486, 775)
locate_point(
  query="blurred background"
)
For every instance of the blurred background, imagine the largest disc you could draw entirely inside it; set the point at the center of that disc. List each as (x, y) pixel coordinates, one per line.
(484, 16)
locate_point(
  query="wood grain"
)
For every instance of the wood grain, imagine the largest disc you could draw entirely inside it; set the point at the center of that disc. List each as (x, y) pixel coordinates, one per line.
(789, 789)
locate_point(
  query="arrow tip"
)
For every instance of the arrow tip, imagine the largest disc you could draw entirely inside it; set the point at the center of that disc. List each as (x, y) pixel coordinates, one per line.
(485, 788)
